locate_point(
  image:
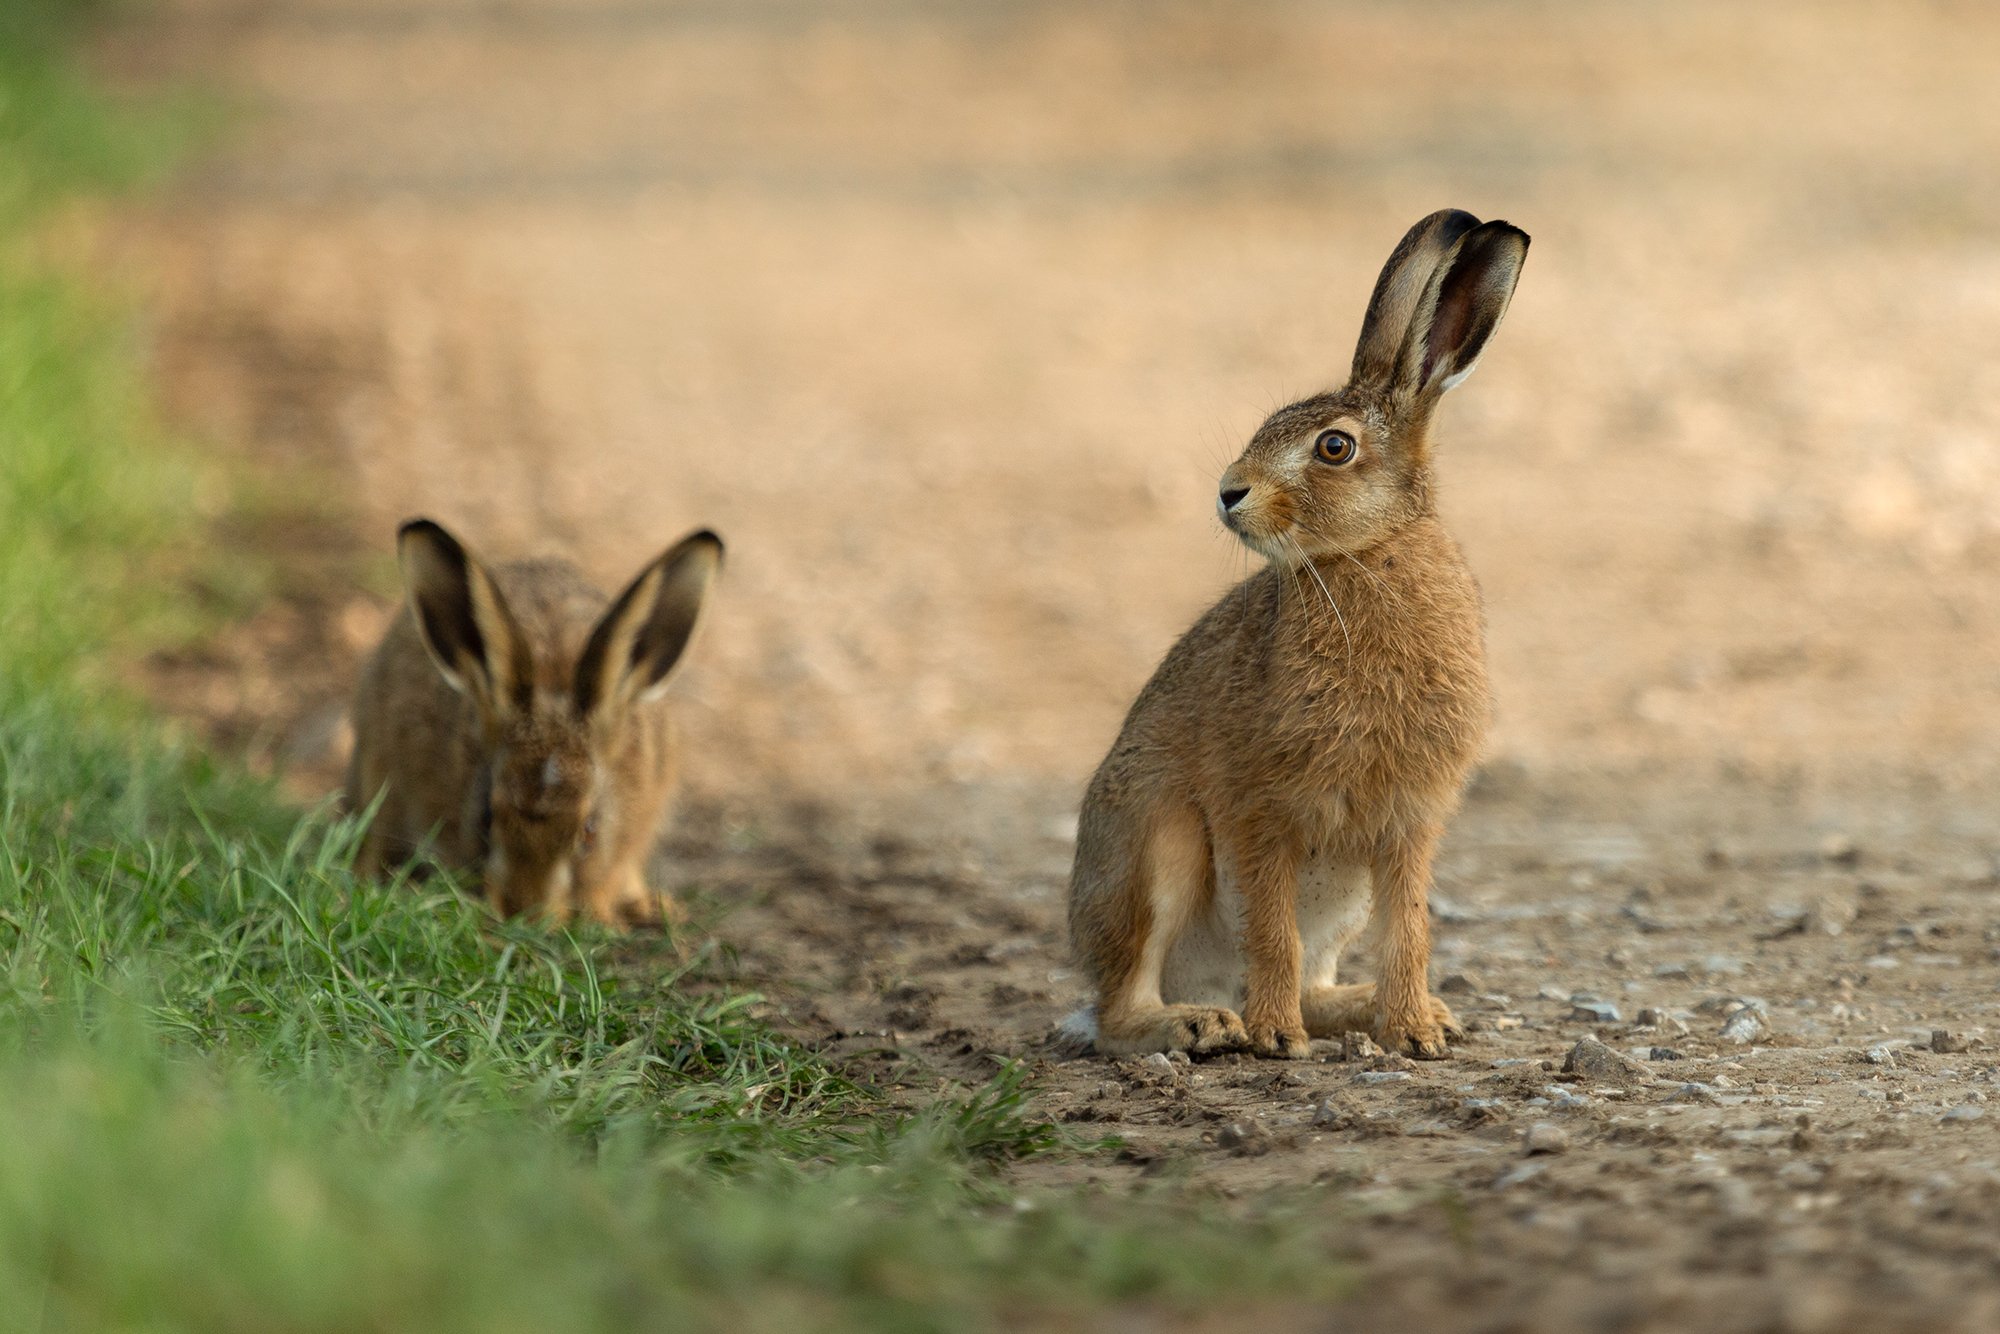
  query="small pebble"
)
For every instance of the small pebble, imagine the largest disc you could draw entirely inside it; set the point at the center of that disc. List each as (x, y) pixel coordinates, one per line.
(1544, 1137)
(1381, 1076)
(1880, 1055)
(1660, 1021)
(1746, 1025)
(1693, 1093)
(1664, 1054)
(1944, 1040)
(1965, 1112)
(1358, 1047)
(1593, 1011)
(1159, 1061)
(1594, 1060)
(1245, 1139)
(1331, 1115)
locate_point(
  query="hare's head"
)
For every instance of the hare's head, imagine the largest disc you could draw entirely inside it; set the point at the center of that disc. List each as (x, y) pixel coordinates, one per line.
(1340, 471)
(552, 718)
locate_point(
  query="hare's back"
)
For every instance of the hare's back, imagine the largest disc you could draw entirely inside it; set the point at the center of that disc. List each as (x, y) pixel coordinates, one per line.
(413, 734)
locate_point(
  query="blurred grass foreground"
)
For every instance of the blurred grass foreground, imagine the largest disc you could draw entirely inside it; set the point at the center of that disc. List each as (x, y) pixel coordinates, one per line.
(239, 1091)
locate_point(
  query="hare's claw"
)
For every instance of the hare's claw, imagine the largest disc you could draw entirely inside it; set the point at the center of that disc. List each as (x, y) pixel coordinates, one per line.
(1287, 1044)
(1426, 1038)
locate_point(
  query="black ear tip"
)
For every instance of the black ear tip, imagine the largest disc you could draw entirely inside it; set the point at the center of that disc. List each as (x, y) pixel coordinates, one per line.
(706, 537)
(431, 535)
(1500, 228)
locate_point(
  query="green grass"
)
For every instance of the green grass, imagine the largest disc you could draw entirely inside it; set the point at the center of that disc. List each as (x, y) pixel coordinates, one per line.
(240, 1091)
(86, 493)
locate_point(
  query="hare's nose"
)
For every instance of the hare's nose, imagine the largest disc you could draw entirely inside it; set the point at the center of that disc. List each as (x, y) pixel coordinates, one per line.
(1233, 496)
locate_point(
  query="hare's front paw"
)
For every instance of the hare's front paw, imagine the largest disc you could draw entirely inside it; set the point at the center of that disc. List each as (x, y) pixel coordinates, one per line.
(1421, 1035)
(1285, 1043)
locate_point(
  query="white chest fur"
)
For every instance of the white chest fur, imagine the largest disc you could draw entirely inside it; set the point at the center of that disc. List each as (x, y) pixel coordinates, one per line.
(1205, 964)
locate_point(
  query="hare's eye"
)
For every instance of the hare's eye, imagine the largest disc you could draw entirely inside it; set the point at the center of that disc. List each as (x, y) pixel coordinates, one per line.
(1335, 447)
(588, 840)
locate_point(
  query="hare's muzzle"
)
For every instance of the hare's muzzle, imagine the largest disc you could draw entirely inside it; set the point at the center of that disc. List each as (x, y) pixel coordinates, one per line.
(515, 887)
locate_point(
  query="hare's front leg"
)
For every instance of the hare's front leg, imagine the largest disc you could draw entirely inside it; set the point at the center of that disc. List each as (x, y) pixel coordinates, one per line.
(1407, 1017)
(1273, 955)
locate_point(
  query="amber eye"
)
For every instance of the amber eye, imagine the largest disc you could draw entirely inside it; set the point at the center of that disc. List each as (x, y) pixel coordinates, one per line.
(1335, 447)
(588, 841)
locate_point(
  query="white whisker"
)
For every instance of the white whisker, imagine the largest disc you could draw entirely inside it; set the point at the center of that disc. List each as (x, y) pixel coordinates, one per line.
(1313, 570)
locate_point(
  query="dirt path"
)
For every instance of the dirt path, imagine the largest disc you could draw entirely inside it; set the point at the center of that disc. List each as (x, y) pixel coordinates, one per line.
(947, 316)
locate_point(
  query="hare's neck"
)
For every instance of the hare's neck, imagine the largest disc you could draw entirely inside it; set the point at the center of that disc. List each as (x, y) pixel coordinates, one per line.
(1336, 594)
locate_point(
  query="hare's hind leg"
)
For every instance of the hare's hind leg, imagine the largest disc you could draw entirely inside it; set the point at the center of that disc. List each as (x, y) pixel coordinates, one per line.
(1350, 1008)
(642, 905)
(1139, 883)
(622, 898)
(1333, 1010)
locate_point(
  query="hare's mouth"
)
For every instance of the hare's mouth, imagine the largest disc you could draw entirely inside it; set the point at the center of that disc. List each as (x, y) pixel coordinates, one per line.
(1272, 546)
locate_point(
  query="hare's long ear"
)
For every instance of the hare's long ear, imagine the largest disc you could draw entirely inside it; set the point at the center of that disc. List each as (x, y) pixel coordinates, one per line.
(1460, 309)
(471, 635)
(1404, 280)
(636, 644)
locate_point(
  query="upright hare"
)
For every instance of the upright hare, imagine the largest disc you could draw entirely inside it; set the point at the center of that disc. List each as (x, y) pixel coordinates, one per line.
(1286, 774)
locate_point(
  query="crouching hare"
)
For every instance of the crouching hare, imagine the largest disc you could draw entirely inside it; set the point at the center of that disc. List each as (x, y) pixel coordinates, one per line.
(511, 724)
(1285, 776)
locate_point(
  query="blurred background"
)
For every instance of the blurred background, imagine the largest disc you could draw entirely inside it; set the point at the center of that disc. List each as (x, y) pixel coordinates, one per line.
(948, 315)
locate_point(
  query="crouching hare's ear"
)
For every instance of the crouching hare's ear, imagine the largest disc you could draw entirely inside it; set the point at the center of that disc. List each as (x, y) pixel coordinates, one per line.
(465, 624)
(638, 642)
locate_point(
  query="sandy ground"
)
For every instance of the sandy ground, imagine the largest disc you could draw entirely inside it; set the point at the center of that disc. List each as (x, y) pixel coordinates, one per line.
(947, 317)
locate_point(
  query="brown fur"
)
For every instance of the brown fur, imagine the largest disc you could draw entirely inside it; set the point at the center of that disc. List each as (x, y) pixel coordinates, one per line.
(510, 725)
(1280, 730)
